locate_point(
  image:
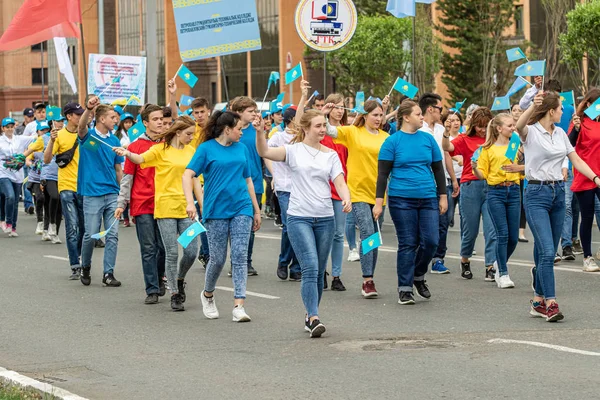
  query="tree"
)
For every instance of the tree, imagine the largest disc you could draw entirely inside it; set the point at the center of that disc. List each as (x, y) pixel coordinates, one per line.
(581, 41)
(474, 30)
(556, 22)
(428, 50)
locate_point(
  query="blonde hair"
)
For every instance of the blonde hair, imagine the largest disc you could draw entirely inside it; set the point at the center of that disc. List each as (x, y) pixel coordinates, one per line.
(298, 129)
(492, 129)
(102, 110)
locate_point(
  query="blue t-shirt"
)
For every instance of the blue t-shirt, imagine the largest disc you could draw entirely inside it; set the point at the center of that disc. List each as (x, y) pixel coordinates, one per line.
(393, 128)
(412, 155)
(225, 169)
(96, 174)
(249, 140)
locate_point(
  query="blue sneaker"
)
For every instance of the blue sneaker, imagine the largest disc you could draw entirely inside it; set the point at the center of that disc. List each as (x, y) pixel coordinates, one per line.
(439, 268)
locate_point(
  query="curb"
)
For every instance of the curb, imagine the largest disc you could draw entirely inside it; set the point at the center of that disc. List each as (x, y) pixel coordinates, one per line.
(14, 378)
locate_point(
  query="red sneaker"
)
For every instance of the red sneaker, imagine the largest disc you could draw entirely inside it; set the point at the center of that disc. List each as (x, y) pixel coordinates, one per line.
(368, 289)
(553, 314)
(538, 309)
(126, 223)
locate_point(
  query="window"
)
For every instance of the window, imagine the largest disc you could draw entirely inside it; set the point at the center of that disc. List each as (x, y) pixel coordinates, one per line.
(36, 76)
(519, 20)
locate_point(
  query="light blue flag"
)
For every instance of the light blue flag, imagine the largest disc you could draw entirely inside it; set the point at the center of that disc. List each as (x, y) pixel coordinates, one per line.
(501, 103)
(100, 235)
(515, 54)
(476, 154)
(136, 131)
(377, 99)
(401, 8)
(406, 88)
(273, 79)
(90, 144)
(371, 243)
(519, 84)
(568, 98)
(293, 74)
(459, 105)
(190, 234)
(315, 93)
(462, 129)
(274, 107)
(53, 113)
(188, 77)
(594, 110)
(513, 146)
(186, 100)
(531, 68)
(359, 103)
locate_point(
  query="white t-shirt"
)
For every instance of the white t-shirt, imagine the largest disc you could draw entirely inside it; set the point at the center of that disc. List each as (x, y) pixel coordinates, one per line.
(438, 134)
(312, 170)
(545, 153)
(30, 129)
(282, 174)
(9, 148)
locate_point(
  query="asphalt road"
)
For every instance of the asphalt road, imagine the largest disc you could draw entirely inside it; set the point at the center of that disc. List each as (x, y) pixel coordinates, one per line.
(104, 343)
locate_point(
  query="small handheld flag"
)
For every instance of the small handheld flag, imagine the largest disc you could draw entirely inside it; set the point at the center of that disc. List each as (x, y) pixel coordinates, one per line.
(359, 102)
(188, 77)
(531, 68)
(401, 8)
(100, 235)
(53, 113)
(476, 154)
(136, 131)
(186, 100)
(134, 100)
(513, 147)
(594, 110)
(515, 54)
(293, 74)
(371, 243)
(501, 103)
(519, 84)
(315, 94)
(404, 87)
(377, 99)
(114, 80)
(190, 234)
(458, 106)
(273, 79)
(568, 98)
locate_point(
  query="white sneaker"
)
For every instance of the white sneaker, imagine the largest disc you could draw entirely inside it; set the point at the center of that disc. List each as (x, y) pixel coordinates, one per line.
(13, 234)
(353, 255)
(46, 237)
(504, 282)
(52, 230)
(589, 265)
(7, 229)
(239, 314)
(3, 225)
(55, 239)
(209, 307)
(40, 228)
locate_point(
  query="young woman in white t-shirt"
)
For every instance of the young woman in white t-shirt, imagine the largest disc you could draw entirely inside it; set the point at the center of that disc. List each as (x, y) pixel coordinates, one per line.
(311, 223)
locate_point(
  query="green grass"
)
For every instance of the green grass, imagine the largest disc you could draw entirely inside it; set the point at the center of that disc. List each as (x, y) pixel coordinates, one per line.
(12, 392)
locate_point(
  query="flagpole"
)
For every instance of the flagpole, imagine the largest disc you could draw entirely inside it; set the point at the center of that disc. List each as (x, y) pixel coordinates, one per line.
(265, 98)
(42, 55)
(83, 59)
(225, 80)
(177, 73)
(414, 36)
(392, 89)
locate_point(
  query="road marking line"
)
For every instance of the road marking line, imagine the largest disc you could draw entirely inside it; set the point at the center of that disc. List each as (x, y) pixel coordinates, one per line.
(27, 382)
(57, 258)
(547, 346)
(249, 293)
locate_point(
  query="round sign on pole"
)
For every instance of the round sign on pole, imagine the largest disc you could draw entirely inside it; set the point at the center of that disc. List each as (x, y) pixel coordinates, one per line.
(326, 25)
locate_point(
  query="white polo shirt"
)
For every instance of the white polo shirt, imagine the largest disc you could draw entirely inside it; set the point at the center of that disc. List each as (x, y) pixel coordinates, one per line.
(545, 153)
(282, 174)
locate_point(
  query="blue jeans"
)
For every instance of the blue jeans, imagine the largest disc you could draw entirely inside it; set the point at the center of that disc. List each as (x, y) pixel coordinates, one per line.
(72, 209)
(203, 237)
(287, 257)
(311, 239)
(97, 209)
(151, 250)
(473, 206)
(506, 218)
(337, 248)
(363, 215)
(417, 228)
(567, 230)
(351, 231)
(545, 211)
(444, 219)
(170, 229)
(11, 192)
(219, 232)
(27, 198)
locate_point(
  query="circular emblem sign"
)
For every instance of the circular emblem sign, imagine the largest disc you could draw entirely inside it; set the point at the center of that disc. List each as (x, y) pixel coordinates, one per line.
(326, 25)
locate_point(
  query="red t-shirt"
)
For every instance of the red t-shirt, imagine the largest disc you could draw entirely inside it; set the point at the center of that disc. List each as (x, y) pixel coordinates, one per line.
(142, 188)
(342, 153)
(588, 148)
(465, 146)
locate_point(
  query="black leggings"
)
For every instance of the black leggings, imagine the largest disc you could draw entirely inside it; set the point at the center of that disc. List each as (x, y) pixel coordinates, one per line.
(587, 203)
(38, 196)
(52, 208)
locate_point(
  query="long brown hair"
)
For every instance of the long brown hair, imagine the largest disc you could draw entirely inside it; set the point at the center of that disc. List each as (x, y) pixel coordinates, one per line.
(298, 129)
(551, 101)
(481, 117)
(369, 107)
(336, 98)
(180, 124)
(590, 97)
(492, 129)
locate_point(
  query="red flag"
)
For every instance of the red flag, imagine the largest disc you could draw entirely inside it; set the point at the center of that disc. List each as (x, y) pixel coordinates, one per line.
(41, 20)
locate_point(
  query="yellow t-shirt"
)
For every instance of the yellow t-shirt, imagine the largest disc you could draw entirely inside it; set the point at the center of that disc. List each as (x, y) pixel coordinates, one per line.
(36, 147)
(67, 176)
(198, 137)
(273, 131)
(363, 153)
(490, 162)
(170, 164)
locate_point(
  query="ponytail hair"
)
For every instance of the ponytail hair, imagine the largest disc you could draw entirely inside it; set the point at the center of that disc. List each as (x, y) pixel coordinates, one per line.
(406, 108)
(492, 129)
(219, 120)
(298, 129)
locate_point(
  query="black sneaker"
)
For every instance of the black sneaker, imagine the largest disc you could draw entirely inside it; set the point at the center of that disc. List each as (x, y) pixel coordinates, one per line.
(30, 210)
(466, 270)
(85, 276)
(252, 271)
(99, 244)
(181, 289)
(152, 298)
(110, 280)
(316, 329)
(422, 289)
(176, 303)
(325, 286)
(203, 258)
(490, 274)
(568, 253)
(162, 289)
(75, 274)
(406, 298)
(282, 272)
(557, 258)
(306, 324)
(295, 276)
(337, 285)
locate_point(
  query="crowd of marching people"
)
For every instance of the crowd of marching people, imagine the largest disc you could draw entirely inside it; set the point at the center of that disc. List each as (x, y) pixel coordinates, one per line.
(325, 171)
